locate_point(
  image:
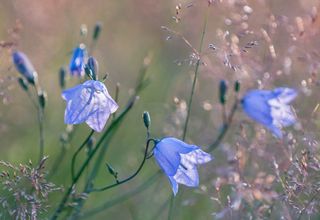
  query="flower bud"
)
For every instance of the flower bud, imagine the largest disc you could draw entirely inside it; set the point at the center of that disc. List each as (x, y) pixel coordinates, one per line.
(146, 119)
(112, 171)
(77, 61)
(97, 30)
(223, 91)
(94, 67)
(237, 86)
(62, 77)
(42, 95)
(24, 66)
(23, 83)
(88, 71)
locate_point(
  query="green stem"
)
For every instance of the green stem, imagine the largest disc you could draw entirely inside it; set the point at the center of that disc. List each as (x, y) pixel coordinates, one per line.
(62, 154)
(140, 85)
(171, 208)
(130, 177)
(86, 163)
(123, 197)
(225, 127)
(196, 72)
(195, 76)
(74, 157)
(40, 122)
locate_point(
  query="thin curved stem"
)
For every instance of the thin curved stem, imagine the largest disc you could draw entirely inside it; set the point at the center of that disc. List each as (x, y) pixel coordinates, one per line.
(225, 127)
(196, 72)
(74, 157)
(195, 76)
(123, 197)
(86, 162)
(141, 84)
(130, 177)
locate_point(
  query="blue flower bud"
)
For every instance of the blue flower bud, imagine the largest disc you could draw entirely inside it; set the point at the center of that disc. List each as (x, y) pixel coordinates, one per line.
(77, 61)
(223, 91)
(24, 66)
(94, 67)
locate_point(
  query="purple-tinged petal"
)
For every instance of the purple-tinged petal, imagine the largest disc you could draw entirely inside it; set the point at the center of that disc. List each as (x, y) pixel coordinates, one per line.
(256, 107)
(187, 176)
(89, 102)
(77, 61)
(24, 66)
(174, 185)
(196, 157)
(167, 160)
(285, 95)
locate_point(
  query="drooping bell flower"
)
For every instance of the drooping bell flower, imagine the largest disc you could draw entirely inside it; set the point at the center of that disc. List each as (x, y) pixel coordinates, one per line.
(270, 108)
(179, 161)
(89, 102)
(24, 66)
(77, 61)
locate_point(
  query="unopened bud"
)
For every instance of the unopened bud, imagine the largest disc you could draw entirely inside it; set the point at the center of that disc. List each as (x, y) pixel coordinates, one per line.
(112, 171)
(146, 119)
(62, 77)
(94, 67)
(237, 86)
(223, 91)
(88, 71)
(97, 30)
(24, 66)
(42, 95)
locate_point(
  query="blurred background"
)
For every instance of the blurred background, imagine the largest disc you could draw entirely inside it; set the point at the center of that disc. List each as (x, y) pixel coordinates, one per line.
(263, 44)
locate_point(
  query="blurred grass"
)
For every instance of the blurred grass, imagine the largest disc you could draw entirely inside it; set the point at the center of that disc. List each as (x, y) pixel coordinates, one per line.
(131, 29)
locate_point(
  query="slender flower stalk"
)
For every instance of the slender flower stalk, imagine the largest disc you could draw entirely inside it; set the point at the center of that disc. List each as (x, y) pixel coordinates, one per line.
(131, 176)
(74, 157)
(196, 72)
(144, 186)
(140, 85)
(40, 122)
(105, 135)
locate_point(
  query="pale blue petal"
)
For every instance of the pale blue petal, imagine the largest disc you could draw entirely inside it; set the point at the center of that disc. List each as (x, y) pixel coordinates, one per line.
(188, 177)
(285, 95)
(174, 185)
(89, 102)
(72, 92)
(255, 105)
(276, 131)
(196, 157)
(168, 161)
(176, 145)
(80, 107)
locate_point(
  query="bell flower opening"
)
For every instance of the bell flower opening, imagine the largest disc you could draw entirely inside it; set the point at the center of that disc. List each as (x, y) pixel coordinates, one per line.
(271, 108)
(89, 102)
(179, 161)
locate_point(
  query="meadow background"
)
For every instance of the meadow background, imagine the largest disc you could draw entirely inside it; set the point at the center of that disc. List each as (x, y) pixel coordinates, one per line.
(273, 43)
